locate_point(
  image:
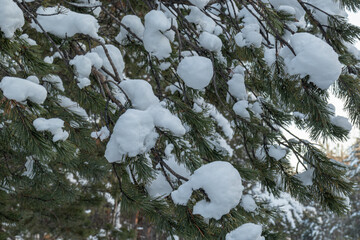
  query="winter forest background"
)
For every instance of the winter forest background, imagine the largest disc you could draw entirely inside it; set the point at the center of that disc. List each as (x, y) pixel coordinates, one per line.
(179, 119)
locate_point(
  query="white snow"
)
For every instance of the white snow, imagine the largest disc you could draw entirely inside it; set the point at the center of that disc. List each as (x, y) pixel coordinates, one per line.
(134, 133)
(287, 9)
(159, 187)
(222, 184)
(134, 24)
(306, 177)
(33, 79)
(67, 23)
(231, 9)
(269, 56)
(247, 231)
(170, 160)
(11, 18)
(140, 93)
(329, 6)
(29, 165)
(314, 57)
(55, 80)
(248, 203)
(249, 36)
(164, 65)
(195, 71)
(96, 60)
(204, 22)
(294, 4)
(53, 125)
(83, 64)
(250, 33)
(240, 108)
(277, 152)
(209, 109)
(142, 97)
(200, 3)
(72, 106)
(20, 90)
(342, 122)
(115, 56)
(256, 109)
(210, 42)
(237, 86)
(103, 134)
(155, 42)
(163, 118)
(26, 38)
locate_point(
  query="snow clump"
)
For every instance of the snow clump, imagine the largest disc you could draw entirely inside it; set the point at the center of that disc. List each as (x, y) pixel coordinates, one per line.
(11, 18)
(115, 56)
(196, 71)
(247, 231)
(200, 3)
(222, 184)
(83, 64)
(134, 24)
(63, 22)
(248, 203)
(314, 57)
(53, 125)
(155, 42)
(134, 132)
(20, 90)
(210, 42)
(103, 134)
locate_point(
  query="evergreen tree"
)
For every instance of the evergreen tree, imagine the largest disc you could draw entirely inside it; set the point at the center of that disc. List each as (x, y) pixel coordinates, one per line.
(219, 84)
(326, 225)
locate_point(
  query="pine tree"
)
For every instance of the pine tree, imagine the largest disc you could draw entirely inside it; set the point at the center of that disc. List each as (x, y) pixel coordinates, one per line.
(219, 85)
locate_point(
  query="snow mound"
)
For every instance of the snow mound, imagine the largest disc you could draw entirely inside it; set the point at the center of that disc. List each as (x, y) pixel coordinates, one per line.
(240, 108)
(196, 71)
(237, 86)
(163, 118)
(72, 106)
(67, 23)
(205, 22)
(115, 56)
(155, 42)
(248, 203)
(83, 64)
(55, 80)
(247, 231)
(103, 134)
(53, 125)
(342, 122)
(20, 90)
(140, 93)
(199, 3)
(11, 17)
(277, 152)
(210, 42)
(306, 177)
(222, 184)
(134, 24)
(134, 133)
(314, 57)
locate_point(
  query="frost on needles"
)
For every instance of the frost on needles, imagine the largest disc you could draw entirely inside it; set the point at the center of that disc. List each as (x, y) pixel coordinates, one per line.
(180, 114)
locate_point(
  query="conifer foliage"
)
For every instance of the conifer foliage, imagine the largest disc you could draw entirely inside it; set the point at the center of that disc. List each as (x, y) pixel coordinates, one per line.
(174, 109)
